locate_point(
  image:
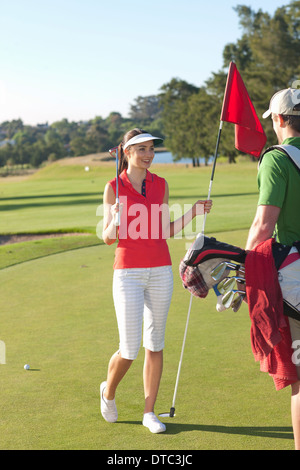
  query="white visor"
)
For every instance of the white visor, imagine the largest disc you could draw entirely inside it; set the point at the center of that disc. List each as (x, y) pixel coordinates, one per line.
(138, 139)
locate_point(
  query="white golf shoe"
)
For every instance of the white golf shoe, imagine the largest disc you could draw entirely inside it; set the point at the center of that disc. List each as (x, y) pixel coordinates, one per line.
(153, 424)
(108, 407)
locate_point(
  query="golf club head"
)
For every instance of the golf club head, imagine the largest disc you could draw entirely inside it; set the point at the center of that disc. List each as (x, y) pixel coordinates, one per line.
(228, 298)
(226, 284)
(113, 152)
(237, 302)
(171, 414)
(240, 279)
(220, 269)
(229, 282)
(219, 306)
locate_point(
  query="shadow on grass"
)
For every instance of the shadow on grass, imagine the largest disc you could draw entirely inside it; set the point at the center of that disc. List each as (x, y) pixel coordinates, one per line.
(276, 432)
(196, 196)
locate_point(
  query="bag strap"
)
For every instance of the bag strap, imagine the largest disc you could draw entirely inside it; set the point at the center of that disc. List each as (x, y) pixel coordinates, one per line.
(290, 150)
(297, 245)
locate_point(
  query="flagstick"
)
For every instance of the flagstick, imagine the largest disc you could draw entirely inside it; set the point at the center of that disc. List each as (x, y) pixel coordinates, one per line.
(172, 409)
(213, 171)
(198, 244)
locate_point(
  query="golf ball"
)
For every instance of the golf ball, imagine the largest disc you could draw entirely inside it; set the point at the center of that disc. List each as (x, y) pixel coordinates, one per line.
(27, 366)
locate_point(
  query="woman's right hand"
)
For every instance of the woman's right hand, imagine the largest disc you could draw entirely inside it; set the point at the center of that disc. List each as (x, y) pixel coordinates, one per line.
(116, 209)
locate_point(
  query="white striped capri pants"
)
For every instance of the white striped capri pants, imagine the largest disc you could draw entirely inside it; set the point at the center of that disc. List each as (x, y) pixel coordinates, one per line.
(142, 294)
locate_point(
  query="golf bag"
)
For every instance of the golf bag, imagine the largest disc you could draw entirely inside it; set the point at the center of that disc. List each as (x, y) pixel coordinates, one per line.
(195, 269)
(202, 258)
(198, 265)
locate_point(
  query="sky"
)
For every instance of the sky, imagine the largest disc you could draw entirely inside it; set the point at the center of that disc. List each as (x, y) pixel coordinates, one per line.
(77, 59)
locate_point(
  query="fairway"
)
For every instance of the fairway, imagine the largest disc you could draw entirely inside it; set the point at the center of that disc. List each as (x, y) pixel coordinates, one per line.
(56, 314)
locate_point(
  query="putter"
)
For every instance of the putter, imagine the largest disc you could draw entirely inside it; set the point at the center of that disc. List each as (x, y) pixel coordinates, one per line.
(171, 414)
(228, 298)
(114, 153)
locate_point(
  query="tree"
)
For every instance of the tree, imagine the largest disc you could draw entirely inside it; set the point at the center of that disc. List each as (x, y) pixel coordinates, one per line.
(202, 119)
(267, 54)
(173, 100)
(11, 127)
(145, 109)
(65, 130)
(97, 136)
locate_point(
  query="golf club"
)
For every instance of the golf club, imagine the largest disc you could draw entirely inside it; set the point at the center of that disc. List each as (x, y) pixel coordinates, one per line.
(228, 298)
(219, 270)
(225, 285)
(171, 414)
(114, 153)
(228, 283)
(237, 302)
(219, 307)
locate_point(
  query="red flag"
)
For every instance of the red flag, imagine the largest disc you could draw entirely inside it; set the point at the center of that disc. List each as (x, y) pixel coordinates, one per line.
(238, 109)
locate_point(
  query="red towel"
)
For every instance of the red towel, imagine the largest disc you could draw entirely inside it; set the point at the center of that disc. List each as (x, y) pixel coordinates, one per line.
(270, 333)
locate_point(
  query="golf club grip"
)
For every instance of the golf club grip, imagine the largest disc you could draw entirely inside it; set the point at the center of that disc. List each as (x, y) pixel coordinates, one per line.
(117, 216)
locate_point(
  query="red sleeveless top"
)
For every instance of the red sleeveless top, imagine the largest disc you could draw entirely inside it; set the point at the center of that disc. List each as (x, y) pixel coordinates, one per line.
(140, 240)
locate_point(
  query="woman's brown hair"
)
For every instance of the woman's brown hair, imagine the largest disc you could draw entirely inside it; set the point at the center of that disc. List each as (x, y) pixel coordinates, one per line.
(123, 163)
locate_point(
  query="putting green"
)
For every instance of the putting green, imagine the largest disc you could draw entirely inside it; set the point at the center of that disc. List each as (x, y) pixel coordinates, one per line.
(57, 315)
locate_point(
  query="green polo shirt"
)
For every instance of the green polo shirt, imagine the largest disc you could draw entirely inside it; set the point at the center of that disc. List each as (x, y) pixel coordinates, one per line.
(279, 185)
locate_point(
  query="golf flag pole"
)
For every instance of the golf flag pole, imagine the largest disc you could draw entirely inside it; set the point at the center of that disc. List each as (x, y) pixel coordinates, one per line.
(172, 409)
(213, 171)
(249, 138)
(237, 108)
(224, 105)
(199, 239)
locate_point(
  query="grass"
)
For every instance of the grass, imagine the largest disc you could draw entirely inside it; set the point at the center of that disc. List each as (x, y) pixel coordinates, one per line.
(29, 250)
(56, 313)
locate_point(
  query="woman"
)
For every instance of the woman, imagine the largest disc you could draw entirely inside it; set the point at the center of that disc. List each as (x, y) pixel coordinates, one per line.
(143, 280)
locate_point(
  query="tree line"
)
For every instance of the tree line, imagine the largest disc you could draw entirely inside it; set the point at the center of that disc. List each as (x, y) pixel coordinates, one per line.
(267, 56)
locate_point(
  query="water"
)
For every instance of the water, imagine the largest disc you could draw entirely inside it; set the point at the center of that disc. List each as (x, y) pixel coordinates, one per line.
(167, 157)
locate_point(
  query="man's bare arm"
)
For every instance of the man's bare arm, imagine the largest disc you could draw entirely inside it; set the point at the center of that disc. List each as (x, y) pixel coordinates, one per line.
(263, 225)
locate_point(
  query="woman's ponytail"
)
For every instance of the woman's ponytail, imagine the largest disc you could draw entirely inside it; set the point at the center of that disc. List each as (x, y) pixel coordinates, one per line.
(123, 163)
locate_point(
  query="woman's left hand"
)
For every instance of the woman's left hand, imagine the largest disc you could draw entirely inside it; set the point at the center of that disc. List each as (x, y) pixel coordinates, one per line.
(207, 205)
(200, 207)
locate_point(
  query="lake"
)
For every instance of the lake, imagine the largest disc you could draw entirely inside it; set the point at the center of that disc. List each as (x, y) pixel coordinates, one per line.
(167, 157)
